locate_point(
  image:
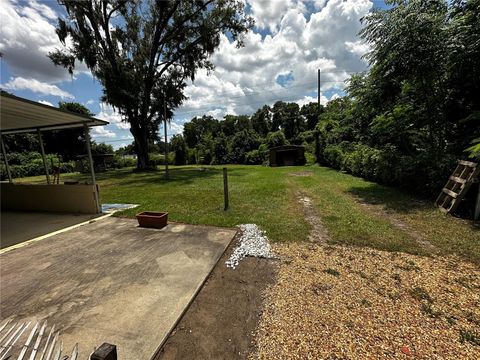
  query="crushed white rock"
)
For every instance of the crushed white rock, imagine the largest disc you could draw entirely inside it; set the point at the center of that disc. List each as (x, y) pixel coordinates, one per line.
(253, 242)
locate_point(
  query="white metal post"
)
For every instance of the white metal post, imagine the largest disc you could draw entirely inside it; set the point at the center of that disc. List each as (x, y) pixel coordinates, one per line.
(167, 175)
(42, 151)
(9, 175)
(90, 160)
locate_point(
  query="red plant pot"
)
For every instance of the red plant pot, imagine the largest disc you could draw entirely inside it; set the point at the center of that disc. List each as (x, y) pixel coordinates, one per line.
(150, 219)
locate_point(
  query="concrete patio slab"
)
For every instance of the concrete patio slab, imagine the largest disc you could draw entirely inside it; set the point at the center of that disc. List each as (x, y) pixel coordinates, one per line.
(110, 281)
(21, 226)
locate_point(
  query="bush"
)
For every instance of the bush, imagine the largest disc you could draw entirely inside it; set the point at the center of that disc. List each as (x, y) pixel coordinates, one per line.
(309, 158)
(158, 159)
(122, 162)
(191, 156)
(276, 138)
(31, 164)
(254, 157)
(386, 166)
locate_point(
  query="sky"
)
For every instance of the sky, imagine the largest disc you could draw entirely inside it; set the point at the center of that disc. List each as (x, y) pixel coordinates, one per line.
(291, 40)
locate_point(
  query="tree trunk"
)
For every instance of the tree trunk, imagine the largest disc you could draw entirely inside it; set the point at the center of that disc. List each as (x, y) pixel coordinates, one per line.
(141, 148)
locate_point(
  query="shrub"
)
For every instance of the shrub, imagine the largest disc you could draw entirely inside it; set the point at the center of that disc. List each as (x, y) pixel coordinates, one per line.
(387, 166)
(122, 162)
(159, 159)
(191, 156)
(254, 157)
(276, 138)
(309, 158)
(31, 164)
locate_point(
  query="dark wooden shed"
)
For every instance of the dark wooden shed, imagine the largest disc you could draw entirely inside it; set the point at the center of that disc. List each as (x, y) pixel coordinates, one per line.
(287, 155)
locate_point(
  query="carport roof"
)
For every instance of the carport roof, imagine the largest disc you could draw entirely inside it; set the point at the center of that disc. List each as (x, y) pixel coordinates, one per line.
(19, 115)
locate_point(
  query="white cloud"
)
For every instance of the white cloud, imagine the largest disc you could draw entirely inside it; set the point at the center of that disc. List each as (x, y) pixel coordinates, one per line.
(44, 10)
(245, 79)
(319, 4)
(175, 128)
(20, 83)
(101, 132)
(90, 102)
(308, 99)
(45, 102)
(358, 48)
(266, 13)
(108, 113)
(292, 41)
(335, 96)
(27, 36)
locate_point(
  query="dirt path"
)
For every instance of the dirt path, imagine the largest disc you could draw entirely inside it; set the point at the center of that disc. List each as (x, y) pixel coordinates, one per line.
(318, 233)
(220, 322)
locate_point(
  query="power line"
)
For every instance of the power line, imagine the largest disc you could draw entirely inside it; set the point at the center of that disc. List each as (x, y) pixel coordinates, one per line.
(261, 88)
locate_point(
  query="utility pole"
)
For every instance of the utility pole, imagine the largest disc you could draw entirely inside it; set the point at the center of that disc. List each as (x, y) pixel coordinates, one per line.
(165, 132)
(317, 134)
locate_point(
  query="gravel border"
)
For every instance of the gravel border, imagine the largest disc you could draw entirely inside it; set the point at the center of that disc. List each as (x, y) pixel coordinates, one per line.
(252, 242)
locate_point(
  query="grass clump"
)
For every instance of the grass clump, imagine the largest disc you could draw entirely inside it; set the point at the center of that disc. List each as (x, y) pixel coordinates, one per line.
(332, 272)
(421, 294)
(469, 336)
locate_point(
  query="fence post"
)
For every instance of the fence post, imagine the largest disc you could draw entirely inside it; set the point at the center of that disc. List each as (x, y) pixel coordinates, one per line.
(225, 188)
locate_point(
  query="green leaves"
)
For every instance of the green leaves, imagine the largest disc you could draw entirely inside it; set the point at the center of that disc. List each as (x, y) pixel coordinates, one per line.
(142, 52)
(418, 105)
(475, 149)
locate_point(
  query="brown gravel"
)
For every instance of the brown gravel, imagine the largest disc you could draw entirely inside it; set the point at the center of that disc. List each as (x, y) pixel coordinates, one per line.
(336, 302)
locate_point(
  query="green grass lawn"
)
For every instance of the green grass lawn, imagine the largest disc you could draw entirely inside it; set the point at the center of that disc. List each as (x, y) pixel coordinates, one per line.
(268, 197)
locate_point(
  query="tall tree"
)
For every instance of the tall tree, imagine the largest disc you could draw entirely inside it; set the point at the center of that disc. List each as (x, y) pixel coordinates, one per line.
(311, 111)
(179, 148)
(261, 120)
(142, 52)
(69, 143)
(198, 127)
(408, 58)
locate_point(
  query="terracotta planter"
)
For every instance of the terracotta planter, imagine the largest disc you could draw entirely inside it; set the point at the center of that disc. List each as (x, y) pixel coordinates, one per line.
(150, 219)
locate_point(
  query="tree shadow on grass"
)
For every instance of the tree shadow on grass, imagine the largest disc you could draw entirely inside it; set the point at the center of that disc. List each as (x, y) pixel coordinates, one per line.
(177, 175)
(391, 198)
(403, 202)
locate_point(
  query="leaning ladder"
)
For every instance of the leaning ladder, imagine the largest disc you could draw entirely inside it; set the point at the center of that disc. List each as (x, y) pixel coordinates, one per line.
(457, 186)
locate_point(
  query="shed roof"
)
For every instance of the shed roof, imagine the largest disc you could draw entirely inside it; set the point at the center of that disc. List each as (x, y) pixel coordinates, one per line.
(19, 115)
(287, 147)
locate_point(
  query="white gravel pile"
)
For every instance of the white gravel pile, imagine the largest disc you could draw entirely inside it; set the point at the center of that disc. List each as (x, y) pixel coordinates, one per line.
(253, 242)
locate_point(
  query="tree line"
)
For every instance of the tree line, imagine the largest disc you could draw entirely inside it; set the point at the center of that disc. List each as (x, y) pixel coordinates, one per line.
(245, 139)
(404, 122)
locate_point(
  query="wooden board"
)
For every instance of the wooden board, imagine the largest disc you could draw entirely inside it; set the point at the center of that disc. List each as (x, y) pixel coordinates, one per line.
(457, 186)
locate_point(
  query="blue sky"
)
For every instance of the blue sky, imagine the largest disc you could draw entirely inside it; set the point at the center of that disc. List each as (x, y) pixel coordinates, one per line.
(291, 40)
